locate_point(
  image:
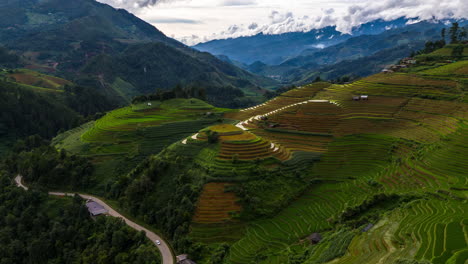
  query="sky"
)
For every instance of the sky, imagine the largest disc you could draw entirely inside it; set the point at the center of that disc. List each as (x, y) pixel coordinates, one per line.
(194, 21)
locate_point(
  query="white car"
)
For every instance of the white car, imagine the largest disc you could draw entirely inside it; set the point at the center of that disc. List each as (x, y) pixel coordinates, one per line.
(158, 242)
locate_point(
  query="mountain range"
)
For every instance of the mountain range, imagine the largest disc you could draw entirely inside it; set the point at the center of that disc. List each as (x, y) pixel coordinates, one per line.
(299, 57)
(112, 50)
(275, 49)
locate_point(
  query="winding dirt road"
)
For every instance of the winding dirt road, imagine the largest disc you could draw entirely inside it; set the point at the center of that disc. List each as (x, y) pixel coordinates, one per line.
(166, 252)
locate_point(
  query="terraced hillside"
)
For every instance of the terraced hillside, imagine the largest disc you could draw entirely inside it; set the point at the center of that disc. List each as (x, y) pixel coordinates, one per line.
(215, 205)
(33, 80)
(124, 137)
(375, 170)
(395, 142)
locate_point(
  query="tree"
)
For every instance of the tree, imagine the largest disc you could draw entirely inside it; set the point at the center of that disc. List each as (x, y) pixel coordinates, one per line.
(213, 136)
(442, 33)
(454, 31)
(463, 34)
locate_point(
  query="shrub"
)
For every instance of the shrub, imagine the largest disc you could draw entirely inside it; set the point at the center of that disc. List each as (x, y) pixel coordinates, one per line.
(213, 137)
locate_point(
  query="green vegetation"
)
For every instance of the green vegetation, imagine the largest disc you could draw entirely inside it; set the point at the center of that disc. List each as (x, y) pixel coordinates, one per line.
(25, 112)
(114, 52)
(35, 103)
(382, 178)
(123, 138)
(7, 58)
(45, 166)
(36, 228)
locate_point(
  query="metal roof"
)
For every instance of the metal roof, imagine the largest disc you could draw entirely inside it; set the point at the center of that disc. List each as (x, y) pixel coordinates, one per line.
(95, 208)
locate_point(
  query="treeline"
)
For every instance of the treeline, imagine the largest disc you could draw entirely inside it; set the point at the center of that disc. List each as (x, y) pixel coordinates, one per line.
(177, 92)
(35, 228)
(455, 34)
(221, 96)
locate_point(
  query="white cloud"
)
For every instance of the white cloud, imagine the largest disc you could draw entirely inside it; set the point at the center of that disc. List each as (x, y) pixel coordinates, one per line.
(238, 2)
(214, 19)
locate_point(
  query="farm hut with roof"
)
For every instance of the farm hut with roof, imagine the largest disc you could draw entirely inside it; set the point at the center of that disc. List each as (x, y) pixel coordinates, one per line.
(95, 208)
(315, 238)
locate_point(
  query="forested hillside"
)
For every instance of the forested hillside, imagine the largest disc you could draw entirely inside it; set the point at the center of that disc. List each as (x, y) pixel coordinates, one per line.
(111, 51)
(38, 104)
(35, 228)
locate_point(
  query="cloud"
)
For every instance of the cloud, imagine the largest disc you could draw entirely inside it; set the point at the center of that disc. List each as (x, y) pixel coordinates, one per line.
(252, 26)
(174, 21)
(235, 18)
(134, 4)
(348, 18)
(238, 2)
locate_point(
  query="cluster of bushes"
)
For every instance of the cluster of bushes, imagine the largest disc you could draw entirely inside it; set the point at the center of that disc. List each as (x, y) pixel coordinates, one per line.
(369, 211)
(163, 191)
(266, 192)
(35, 228)
(42, 164)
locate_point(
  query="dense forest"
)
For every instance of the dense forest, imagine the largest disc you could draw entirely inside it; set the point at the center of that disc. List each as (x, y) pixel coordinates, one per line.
(48, 167)
(27, 112)
(87, 101)
(41, 229)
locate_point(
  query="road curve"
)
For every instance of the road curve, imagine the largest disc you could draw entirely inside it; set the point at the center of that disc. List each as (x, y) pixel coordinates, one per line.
(166, 252)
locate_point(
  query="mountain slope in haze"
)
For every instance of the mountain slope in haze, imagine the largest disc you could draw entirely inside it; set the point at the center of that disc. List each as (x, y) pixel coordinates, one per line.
(274, 49)
(65, 37)
(364, 55)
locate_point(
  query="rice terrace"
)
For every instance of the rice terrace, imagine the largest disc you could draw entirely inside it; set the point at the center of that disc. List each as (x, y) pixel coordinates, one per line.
(312, 160)
(119, 144)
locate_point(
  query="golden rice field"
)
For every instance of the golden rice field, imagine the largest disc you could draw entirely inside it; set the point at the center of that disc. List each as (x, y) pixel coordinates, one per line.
(215, 205)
